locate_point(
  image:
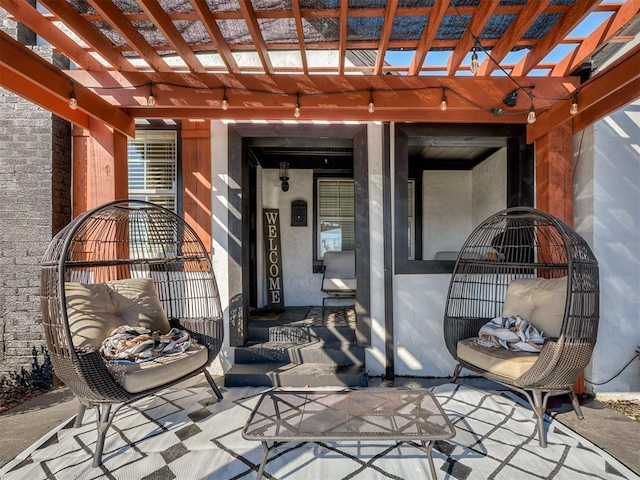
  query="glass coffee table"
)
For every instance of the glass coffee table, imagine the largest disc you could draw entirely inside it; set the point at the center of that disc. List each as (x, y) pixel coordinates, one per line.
(401, 415)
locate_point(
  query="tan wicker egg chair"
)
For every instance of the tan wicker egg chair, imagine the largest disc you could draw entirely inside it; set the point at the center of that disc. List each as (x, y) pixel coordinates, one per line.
(134, 263)
(522, 261)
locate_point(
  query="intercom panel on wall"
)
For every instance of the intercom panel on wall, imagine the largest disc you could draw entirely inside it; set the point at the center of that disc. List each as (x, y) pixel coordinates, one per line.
(298, 213)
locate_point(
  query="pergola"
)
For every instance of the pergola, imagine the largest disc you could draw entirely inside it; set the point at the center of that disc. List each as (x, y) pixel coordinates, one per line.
(241, 59)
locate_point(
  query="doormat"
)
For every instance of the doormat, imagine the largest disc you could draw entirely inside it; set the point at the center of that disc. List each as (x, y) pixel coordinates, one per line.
(333, 316)
(183, 433)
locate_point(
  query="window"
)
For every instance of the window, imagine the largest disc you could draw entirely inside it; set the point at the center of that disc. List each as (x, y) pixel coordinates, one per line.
(447, 180)
(152, 159)
(336, 215)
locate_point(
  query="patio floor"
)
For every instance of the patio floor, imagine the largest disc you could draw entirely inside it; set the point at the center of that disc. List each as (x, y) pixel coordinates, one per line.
(613, 432)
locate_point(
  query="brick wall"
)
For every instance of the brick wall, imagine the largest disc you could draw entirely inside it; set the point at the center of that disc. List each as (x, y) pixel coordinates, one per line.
(35, 202)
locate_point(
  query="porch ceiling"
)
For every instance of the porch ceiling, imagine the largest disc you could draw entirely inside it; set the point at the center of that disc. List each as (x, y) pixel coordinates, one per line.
(331, 57)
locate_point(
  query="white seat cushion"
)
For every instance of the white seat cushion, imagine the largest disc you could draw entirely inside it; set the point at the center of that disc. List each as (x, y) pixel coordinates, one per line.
(138, 377)
(339, 272)
(496, 360)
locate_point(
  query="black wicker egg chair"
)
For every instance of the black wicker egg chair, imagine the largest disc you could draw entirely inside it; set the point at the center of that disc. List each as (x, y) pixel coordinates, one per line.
(134, 263)
(522, 261)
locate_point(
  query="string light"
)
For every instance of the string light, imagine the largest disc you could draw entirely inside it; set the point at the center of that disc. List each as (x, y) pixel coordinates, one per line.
(574, 104)
(443, 103)
(531, 117)
(151, 100)
(372, 107)
(296, 111)
(224, 105)
(475, 66)
(73, 101)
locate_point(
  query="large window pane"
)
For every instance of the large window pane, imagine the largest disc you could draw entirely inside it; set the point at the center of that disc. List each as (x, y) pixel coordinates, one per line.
(336, 212)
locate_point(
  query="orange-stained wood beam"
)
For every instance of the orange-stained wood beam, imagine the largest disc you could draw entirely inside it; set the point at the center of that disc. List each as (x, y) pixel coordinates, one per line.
(249, 15)
(606, 106)
(38, 95)
(387, 26)
(428, 35)
(88, 33)
(121, 24)
(52, 34)
(608, 29)
(342, 40)
(222, 47)
(297, 16)
(554, 173)
(529, 13)
(608, 89)
(480, 18)
(162, 20)
(561, 29)
(196, 178)
(23, 62)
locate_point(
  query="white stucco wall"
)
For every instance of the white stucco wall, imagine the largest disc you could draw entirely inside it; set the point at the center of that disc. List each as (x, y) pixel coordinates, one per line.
(454, 203)
(607, 214)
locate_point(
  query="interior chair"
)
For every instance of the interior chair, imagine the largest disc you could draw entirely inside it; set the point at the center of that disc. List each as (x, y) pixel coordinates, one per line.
(522, 261)
(339, 276)
(127, 262)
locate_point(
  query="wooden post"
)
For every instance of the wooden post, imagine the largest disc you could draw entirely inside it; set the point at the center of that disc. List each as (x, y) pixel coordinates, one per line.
(196, 178)
(554, 185)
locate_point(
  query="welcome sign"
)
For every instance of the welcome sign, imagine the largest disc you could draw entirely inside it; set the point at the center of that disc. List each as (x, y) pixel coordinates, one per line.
(273, 258)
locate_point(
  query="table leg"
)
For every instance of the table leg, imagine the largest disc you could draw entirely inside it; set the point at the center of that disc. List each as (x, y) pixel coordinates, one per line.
(266, 449)
(428, 448)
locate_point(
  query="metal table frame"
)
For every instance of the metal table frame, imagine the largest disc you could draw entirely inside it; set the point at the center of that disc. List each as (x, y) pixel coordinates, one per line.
(411, 416)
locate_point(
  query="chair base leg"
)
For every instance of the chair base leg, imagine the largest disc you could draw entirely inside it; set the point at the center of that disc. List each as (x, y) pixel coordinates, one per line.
(214, 387)
(80, 415)
(456, 373)
(576, 404)
(103, 422)
(539, 407)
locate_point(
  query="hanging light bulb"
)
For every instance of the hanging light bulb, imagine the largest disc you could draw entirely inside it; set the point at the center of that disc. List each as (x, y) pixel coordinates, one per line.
(574, 104)
(531, 117)
(151, 100)
(224, 105)
(475, 66)
(73, 101)
(372, 107)
(296, 111)
(443, 103)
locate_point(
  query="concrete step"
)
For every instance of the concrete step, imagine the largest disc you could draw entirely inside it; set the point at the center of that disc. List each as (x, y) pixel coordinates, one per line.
(300, 334)
(314, 352)
(295, 375)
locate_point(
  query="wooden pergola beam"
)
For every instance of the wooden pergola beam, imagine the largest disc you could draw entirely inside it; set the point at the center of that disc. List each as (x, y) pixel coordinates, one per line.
(342, 40)
(428, 35)
(121, 24)
(29, 66)
(34, 20)
(88, 33)
(599, 36)
(600, 95)
(297, 16)
(387, 26)
(561, 29)
(480, 18)
(529, 13)
(168, 29)
(249, 15)
(220, 43)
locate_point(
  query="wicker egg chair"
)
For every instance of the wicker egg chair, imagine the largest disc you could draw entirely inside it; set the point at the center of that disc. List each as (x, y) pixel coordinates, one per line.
(127, 262)
(522, 261)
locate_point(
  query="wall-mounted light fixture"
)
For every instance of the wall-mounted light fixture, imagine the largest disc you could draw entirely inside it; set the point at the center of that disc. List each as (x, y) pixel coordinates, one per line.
(284, 176)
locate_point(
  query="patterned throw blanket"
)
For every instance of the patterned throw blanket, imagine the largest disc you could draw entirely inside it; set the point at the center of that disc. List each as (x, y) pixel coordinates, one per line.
(128, 344)
(512, 333)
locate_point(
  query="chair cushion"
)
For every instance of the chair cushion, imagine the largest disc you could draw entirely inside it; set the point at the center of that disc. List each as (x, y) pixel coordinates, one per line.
(94, 310)
(338, 284)
(339, 271)
(540, 301)
(496, 360)
(138, 377)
